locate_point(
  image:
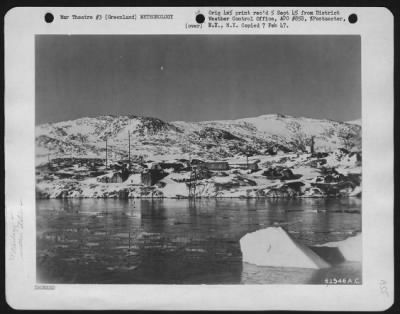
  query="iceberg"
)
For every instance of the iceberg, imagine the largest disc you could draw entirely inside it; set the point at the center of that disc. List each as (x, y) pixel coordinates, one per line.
(273, 246)
(349, 249)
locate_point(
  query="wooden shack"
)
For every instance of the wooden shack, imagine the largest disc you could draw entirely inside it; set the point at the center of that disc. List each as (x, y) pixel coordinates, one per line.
(251, 165)
(216, 165)
(151, 176)
(177, 166)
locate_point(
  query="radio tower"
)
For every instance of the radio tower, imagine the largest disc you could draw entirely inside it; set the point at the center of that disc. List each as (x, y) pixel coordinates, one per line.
(192, 183)
(129, 149)
(106, 153)
(193, 176)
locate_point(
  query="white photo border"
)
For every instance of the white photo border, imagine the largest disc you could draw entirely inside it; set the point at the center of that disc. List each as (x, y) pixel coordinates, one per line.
(375, 26)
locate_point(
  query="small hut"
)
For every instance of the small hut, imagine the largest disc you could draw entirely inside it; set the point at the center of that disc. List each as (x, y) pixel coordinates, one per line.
(244, 164)
(151, 176)
(216, 165)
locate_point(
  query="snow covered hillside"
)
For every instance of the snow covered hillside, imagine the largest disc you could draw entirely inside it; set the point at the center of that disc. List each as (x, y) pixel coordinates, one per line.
(152, 138)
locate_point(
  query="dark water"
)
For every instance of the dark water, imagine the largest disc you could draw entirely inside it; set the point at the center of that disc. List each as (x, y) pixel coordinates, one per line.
(181, 241)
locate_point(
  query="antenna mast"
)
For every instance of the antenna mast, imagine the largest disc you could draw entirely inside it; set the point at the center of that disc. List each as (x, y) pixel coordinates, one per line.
(129, 149)
(247, 156)
(106, 153)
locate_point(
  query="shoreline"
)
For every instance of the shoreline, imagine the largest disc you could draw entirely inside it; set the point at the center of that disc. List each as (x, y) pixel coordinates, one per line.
(203, 197)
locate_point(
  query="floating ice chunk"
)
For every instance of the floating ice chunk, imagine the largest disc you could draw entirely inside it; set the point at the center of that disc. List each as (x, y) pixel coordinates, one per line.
(350, 249)
(273, 246)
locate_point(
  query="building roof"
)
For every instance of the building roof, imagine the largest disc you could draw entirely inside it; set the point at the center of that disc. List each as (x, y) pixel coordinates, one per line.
(109, 175)
(242, 161)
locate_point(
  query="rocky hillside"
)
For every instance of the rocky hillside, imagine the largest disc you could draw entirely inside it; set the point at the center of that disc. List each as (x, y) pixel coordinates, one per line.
(153, 138)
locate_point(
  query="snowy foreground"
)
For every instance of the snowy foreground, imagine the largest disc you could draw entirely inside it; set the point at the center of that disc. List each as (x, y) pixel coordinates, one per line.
(283, 175)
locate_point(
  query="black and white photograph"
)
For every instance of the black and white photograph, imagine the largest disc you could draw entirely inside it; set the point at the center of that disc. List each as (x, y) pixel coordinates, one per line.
(198, 159)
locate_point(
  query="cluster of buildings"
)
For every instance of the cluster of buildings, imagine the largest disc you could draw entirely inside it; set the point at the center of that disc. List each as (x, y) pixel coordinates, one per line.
(146, 173)
(158, 170)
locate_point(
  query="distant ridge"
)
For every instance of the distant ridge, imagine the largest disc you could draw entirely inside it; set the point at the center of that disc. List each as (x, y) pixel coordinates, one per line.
(151, 137)
(356, 122)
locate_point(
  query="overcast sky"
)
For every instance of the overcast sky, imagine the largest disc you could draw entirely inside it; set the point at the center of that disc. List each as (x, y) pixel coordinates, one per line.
(198, 77)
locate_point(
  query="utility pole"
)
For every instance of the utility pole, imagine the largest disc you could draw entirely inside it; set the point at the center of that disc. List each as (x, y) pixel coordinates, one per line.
(312, 145)
(190, 153)
(247, 156)
(129, 149)
(193, 183)
(106, 153)
(190, 184)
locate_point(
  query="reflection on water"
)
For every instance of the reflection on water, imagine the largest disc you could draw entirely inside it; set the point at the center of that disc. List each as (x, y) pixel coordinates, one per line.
(181, 241)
